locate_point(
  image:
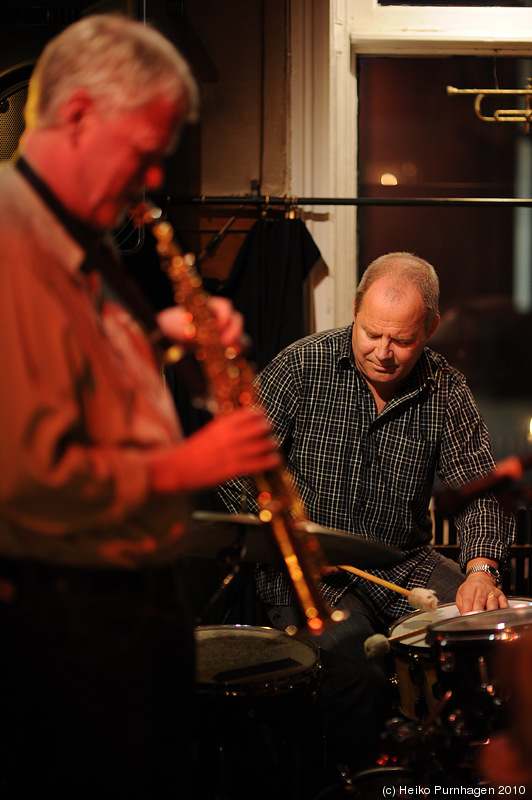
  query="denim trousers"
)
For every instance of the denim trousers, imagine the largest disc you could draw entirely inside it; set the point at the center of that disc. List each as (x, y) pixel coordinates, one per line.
(358, 692)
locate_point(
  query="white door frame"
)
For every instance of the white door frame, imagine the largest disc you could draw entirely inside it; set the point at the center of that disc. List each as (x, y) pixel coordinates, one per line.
(327, 37)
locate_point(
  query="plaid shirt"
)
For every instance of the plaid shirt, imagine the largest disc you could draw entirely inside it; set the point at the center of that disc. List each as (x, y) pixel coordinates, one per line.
(372, 474)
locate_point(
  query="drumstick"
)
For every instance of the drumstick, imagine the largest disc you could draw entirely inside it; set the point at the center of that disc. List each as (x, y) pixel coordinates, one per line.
(418, 597)
(379, 645)
(400, 636)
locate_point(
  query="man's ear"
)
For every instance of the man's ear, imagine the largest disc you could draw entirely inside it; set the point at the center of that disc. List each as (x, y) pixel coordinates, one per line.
(76, 110)
(434, 326)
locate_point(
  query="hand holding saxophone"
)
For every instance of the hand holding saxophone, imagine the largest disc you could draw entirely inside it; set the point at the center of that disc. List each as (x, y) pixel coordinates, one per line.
(240, 443)
(231, 445)
(249, 448)
(229, 324)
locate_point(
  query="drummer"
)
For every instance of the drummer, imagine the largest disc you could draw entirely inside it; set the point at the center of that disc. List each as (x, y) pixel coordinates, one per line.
(367, 415)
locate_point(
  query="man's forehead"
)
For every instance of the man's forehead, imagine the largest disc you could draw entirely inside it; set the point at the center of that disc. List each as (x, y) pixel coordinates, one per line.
(391, 289)
(157, 128)
(403, 314)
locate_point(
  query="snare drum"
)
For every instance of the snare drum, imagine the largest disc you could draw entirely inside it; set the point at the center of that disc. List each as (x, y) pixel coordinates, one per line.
(417, 679)
(260, 713)
(465, 651)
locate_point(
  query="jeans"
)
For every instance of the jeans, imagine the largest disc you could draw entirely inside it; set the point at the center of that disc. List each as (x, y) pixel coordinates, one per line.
(358, 692)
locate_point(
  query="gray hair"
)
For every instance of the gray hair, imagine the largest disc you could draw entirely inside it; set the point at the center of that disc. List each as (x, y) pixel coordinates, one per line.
(122, 63)
(404, 268)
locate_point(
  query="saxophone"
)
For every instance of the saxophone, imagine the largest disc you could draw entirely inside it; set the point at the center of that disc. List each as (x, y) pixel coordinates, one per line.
(230, 384)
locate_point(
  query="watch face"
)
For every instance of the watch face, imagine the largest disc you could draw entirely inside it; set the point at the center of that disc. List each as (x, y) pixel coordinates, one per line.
(486, 568)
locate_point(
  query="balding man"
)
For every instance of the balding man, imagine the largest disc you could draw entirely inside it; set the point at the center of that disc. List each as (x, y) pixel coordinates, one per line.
(368, 415)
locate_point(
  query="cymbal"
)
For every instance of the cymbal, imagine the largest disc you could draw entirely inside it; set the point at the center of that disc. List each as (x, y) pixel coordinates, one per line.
(211, 532)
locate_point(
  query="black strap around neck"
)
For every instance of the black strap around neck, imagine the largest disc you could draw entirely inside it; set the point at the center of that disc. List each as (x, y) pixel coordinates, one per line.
(102, 259)
(99, 256)
(87, 237)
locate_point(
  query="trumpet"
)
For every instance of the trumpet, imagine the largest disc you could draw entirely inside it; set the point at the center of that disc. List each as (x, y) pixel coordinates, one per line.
(501, 114)
(230, 385)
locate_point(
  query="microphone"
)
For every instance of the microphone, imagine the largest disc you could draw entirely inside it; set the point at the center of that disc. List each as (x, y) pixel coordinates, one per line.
(506, 473)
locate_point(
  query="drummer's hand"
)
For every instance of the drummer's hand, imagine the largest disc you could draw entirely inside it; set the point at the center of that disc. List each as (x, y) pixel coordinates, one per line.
(479, 593)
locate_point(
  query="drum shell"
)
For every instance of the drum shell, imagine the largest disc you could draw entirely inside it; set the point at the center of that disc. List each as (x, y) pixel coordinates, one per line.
(261, 728)
(467, 651)
(415, 662)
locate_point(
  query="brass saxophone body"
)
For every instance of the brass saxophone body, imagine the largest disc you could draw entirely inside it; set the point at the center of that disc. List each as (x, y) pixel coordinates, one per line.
(230, 384)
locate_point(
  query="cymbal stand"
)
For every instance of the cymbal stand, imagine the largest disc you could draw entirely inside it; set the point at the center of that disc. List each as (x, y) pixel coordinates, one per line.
(231, 558)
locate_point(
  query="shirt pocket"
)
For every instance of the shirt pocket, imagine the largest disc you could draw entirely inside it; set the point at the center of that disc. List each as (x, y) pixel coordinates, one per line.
(408, 466)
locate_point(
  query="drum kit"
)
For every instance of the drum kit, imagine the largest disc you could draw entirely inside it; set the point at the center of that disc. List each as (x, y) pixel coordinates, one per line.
(258, 689)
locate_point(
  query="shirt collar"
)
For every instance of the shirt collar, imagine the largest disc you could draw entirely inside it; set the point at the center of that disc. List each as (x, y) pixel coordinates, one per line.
(345, 358)
(425, 371)
(87, 237)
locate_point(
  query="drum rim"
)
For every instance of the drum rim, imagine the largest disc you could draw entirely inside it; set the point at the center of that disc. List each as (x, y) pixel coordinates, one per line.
(463, 633)
(420, 647)
(267, 680)
(260, 629)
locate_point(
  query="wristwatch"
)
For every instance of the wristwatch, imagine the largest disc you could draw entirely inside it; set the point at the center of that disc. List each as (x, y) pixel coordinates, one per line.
(495, 574)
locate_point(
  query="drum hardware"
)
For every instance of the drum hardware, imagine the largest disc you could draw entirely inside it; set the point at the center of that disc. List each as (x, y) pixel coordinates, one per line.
(424, 672)
(233, 539)
(417, 676)
(230, 558)
(430, 754)
(341, 785)
(443, 741)
(369, 784)
(413, 746)
(260, 714)
(465, 650)
(212, 532)
(488, 701)
(491, 698)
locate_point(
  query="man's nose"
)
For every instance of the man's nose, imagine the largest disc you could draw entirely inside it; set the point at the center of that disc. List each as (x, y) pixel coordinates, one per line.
(383, 350)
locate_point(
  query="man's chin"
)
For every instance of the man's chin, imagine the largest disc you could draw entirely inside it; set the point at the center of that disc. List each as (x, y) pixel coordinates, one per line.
(384, 375)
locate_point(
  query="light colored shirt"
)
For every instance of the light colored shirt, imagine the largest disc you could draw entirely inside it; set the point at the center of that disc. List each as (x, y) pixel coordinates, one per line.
(82, 404)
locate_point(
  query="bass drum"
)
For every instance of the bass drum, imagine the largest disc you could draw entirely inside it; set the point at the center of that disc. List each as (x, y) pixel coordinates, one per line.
(260, 714)
(414, 661)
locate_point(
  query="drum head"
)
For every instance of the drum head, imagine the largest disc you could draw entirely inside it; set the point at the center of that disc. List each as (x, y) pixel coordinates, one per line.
(420, 620)
(504, 624)
(447, 612)
(241, 654)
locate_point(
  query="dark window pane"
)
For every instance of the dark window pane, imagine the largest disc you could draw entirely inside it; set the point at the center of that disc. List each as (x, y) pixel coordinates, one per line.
(435, 146)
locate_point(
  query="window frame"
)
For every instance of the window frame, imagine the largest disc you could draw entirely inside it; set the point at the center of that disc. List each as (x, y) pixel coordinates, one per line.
(426, 30)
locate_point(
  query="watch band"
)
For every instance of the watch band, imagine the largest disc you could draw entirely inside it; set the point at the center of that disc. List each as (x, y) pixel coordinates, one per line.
(495, 574)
